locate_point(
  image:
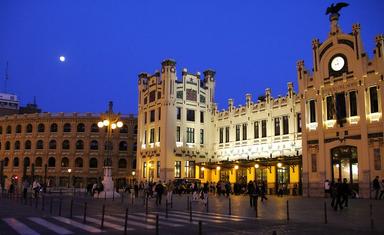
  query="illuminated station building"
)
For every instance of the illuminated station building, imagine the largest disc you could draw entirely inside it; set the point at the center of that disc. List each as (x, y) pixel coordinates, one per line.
(331, 129)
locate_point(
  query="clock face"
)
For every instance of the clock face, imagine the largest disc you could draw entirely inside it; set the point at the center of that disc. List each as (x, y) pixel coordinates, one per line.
(337, 63)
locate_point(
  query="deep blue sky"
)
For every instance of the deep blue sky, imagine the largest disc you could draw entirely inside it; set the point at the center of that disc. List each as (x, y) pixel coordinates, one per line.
(251, 44)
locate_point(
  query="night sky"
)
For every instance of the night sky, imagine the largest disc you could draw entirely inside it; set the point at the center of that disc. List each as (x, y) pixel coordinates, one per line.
(251, 44)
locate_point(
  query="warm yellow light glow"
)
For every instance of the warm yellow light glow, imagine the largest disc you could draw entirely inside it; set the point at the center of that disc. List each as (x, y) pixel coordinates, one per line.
(202, 168)
(236, 167)
(150, 165)
(133, 173)
(113, 125)
(279, 164)
(337, 165)
(218, 168)
(69, 170)
(106, 122)
(257, 165)
(119, 124)
(100, 124)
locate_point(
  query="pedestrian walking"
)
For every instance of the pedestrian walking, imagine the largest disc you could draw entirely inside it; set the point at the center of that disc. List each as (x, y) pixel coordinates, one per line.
(250, 190)
(376, 187)
(345, 192)
(159, 188)
(263, 191)
(339, 192)
(327, 188)
(170, 188)
(382, 189)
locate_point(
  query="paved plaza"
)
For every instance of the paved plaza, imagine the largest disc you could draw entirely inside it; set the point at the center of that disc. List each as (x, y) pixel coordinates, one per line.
(223, 216)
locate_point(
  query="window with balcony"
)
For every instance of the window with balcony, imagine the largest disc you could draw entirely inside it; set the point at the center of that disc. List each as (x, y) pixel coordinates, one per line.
(152, 136)
(177, 169)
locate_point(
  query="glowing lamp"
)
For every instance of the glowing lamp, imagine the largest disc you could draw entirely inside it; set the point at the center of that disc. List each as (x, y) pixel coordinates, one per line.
(113, 125)
(100, 124)
(106, 122)
(236, 167)
(119, 124)
(218, 168)
(279, 164)
(202, 168)
(257, 166)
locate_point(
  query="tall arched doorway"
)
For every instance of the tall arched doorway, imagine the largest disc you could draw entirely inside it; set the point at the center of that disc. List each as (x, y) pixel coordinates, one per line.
(345, 165)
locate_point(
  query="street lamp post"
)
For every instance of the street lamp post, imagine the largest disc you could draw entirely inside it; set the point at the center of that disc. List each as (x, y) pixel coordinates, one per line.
(69, 177)
(110, 121)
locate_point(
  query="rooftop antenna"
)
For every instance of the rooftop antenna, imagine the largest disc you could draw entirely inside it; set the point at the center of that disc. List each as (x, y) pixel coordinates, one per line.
(6, 77)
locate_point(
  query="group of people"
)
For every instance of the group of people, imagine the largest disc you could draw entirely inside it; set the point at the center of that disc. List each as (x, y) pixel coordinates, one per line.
(255, 191)
(35, 186)
(378, 188)
(339, 192)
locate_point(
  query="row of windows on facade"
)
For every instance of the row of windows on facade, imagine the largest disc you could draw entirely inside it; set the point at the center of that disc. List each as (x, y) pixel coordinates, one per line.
(79, 162)
(190, 115)
(54, 128)
(94, 145)
(336, 105)
(189, 170)
(190, 135)
(256, 129)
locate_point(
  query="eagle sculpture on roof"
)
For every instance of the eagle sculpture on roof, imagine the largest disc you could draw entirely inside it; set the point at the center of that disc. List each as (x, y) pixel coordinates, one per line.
(334, 9)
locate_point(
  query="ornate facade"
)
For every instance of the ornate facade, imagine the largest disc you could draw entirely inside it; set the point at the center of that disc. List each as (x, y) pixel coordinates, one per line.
(342, 101)
(46, 145)
(332, 129)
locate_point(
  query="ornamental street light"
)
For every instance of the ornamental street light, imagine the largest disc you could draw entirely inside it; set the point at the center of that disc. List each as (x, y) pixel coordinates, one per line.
(110, 121)
(69, 177)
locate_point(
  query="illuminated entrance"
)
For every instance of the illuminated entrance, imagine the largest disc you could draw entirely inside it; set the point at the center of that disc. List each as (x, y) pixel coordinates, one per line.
(241, 176)
(345, 165)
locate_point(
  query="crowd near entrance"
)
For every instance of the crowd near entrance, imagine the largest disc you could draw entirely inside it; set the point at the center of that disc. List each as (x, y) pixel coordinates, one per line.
(345, 165)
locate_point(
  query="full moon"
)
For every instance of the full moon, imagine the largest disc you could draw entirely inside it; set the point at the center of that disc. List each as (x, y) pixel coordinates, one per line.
(62, 58)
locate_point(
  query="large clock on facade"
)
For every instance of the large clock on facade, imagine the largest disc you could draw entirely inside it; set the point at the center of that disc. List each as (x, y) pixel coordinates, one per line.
(337, 65)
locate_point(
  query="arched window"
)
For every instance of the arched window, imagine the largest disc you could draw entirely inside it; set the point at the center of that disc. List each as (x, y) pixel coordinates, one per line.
(9, 129)
(41, 127)
(124, 129)
(16, 162)
(80, 127)
(28, 144)
(65, 144)
(94, 145)
(94, 128)
(123, 146)
(18, 129)
(29, 128)
(27, 161)
(79, 162)
(39, 144)
(122, 163)
(64, 162)
(7, 145)
(134, 164)
(53, 127)
(52, 144)
(93, 163)
(17, 145)
(108, 146)
(67, 127)
(38, 162)
(80, 144)
(51, 162)
(6, 162)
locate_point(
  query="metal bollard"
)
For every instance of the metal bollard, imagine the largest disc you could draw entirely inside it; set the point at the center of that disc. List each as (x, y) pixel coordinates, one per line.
(50, 206)
(126, 221)
(42, 203)
(60, 204)
(157, 224)
(102, 217)
(172, 200)
(188, 203)
(190, 211)
(207, 206)
(166, 208)
(146, 206)
(287, 210)
(71, 209)
(229, 206)
(200, 228)
(85, 213)
(325, 213)
(256, 208)
(371, 216)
